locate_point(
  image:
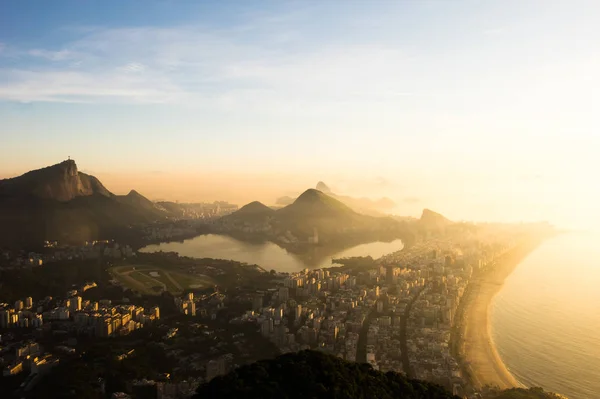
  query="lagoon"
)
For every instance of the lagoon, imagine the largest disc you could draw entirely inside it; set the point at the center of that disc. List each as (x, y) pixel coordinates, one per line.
(267, 254)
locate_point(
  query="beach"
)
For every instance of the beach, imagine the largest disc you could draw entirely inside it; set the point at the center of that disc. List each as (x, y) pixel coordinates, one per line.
(481, 361)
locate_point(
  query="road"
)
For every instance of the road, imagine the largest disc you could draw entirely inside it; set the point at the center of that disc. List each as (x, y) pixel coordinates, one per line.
(403, 326)
(361, 350)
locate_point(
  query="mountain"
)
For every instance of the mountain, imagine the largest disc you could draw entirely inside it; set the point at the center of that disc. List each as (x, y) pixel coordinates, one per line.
(323, 188)
(253, 212)
(60, 182)
(314, 217)
(254, 217)
(312, 374)
(138, 201)
(332, 217)
(60, 203)
(255, 208)
(431, 220)
(284, 201)
(362, 205)
(316, 210)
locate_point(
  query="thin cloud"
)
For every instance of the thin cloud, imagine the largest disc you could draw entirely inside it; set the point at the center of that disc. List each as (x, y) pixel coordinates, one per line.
(84, 87)
(60, 55)
(194, 66)
(133, 67)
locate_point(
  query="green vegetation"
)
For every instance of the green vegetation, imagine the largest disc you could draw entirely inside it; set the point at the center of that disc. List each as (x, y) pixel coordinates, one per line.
(152, 280)
(310, 374)
(355, 262)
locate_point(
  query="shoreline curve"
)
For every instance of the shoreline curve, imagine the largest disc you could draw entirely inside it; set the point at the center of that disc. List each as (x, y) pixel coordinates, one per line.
(481, 360)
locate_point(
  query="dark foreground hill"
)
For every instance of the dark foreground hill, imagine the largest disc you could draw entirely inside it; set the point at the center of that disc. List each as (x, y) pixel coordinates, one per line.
(310, 374)
(316, 375)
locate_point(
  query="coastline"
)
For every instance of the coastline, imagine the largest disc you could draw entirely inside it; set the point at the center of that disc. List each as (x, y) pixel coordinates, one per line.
(481, 362)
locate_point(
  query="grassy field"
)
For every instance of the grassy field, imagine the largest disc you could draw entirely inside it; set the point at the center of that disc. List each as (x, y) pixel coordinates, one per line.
(152, 280)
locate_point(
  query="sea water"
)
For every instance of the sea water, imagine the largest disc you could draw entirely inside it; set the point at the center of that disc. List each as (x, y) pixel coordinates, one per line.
(546, 317)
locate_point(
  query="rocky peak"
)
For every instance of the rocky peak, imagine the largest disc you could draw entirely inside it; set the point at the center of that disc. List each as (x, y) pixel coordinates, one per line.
(323, 187)
(60, 182)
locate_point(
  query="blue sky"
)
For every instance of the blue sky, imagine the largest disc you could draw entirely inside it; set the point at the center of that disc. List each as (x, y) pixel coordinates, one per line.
(478, 107)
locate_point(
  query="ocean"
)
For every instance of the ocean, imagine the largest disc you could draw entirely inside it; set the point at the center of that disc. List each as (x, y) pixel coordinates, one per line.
(546, 318)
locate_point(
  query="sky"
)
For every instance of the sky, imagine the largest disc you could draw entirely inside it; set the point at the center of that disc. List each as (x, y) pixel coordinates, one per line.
(481, 110)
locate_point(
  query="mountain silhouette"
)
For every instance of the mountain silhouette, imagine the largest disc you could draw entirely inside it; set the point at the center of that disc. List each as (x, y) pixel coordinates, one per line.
(140, 202)
(60, 203)
(313, 214)
(255, 208)
(362, 205)
(323, 187)
(60, 182)
(431, 220)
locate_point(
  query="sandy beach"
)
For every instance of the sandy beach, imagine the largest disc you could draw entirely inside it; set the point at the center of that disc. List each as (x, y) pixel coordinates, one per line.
(482, 361)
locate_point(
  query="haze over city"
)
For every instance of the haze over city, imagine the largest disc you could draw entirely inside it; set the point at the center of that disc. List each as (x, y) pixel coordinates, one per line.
(482, 110)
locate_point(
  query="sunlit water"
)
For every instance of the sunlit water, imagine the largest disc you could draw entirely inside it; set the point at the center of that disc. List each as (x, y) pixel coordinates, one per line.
(267, 255)
(546, 318)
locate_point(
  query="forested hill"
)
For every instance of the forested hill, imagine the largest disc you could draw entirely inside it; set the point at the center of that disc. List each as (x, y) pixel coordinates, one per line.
(311, 374)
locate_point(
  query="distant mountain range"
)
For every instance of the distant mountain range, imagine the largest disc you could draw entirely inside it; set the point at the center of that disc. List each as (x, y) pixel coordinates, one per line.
(314, 217)
(362, 205)
(60, 203)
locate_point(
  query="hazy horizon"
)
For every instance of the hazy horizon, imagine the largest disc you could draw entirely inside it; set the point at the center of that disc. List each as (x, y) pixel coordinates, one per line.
(481, 111)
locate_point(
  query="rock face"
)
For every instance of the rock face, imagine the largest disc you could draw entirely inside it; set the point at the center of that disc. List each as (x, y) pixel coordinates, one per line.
(431, 220)
(60, 203)
(323, 188)
(61, 182)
